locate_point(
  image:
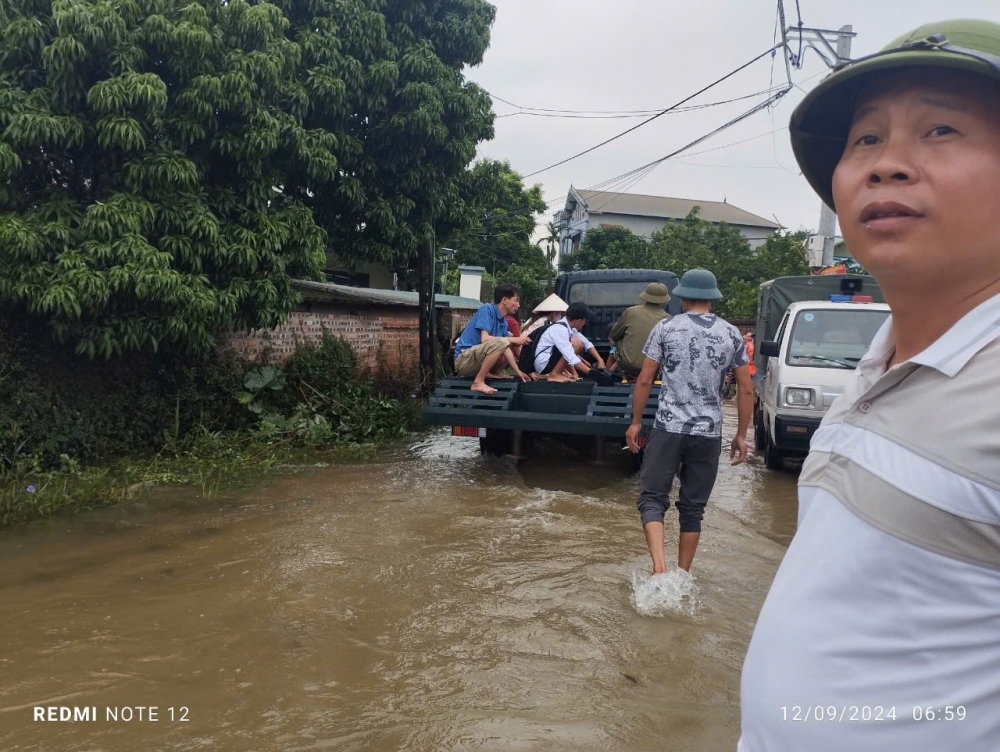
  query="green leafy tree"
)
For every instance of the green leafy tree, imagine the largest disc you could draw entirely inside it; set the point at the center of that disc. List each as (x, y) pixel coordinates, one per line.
(695, 243)
(381, 84)
(168, 166)
(722, 249)
(502, 218)
(531, 284)
(609, 248)
(783, 255)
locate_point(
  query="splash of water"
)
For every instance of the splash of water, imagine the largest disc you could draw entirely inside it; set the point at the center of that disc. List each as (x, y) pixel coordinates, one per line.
(675, 592)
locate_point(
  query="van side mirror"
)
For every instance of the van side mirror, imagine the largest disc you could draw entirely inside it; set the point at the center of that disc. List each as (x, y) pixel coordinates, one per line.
(769, 349)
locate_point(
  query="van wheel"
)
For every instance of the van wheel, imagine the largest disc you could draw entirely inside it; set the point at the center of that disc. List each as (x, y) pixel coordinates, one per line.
(759, 432)
(774, 459)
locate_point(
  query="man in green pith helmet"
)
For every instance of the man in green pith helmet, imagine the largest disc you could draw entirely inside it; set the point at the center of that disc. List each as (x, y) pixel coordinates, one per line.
(694, 351)
(882, 627)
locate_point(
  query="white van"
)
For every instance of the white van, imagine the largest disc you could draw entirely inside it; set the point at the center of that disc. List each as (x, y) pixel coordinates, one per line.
(805, 367)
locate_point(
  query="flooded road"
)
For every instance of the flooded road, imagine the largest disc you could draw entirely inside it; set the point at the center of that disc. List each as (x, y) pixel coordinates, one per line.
(434, 600)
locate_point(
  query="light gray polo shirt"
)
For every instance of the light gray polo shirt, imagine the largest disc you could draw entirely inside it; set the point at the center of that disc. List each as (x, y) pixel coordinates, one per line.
(889, 594)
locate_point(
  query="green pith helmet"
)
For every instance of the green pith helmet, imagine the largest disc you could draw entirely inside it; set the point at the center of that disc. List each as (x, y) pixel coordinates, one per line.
(698, 284)
(820, 123)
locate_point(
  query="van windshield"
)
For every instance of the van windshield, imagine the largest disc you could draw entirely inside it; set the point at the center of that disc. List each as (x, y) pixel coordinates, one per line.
(606, 293)
(833, 338)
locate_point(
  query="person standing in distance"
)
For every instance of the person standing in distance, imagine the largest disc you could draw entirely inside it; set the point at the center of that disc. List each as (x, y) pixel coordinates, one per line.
(631, 331)
(887, 602)
(695, 351)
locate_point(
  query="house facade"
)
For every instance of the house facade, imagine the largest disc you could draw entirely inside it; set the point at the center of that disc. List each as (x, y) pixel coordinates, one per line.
(586, 210)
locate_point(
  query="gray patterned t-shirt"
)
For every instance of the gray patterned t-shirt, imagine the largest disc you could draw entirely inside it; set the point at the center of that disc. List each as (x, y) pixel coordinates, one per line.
(695, 351)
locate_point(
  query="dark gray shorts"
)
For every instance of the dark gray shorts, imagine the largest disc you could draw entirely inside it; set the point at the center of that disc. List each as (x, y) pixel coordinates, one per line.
(695, 460)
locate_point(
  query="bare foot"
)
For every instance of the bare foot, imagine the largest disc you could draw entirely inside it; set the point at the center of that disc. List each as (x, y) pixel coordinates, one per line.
(482, 386)
(561, 378)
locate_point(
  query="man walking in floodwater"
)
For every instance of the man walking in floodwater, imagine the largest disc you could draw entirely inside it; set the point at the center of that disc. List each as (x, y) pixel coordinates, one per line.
(695, 350)
(881, 631)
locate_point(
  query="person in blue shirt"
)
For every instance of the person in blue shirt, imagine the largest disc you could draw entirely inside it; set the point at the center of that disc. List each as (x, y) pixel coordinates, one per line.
(484, 349)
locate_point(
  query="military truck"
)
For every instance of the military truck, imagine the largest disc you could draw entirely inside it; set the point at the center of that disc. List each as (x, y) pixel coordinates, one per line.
(607, 293)
(581, 415)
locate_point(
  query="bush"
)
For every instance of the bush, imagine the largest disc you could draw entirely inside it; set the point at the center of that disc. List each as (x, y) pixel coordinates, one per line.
(58, 409)
(54, 403)
(319, 398)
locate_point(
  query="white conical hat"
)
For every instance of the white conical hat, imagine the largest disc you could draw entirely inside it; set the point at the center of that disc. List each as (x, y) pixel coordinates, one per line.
(552, 304)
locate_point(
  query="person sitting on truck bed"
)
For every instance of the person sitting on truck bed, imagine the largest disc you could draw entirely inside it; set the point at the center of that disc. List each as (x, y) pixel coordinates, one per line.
(557, 355)
(544, 311)
(612, 361)
(483, 349)
(633, 328)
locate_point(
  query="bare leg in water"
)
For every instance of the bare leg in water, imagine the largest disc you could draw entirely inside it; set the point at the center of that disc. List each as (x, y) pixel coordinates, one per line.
(685, 550)
(654, 539)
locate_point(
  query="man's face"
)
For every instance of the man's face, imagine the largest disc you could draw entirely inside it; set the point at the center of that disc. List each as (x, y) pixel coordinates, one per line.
(918, 185)
(509, 306)
(578, 324)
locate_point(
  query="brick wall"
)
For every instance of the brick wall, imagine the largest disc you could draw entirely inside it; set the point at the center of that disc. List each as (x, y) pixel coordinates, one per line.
(383, 336)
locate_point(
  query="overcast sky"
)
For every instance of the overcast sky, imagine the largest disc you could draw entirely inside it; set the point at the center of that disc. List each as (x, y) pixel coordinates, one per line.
(648, 54)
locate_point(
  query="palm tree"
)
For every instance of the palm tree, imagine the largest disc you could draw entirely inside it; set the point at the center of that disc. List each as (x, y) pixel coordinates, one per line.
(551, 242)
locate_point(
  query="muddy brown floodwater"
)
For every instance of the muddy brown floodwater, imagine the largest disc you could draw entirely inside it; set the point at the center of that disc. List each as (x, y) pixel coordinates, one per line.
(433, 600)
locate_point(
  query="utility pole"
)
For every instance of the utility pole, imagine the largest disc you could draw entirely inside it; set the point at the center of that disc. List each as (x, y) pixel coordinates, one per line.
(428, 329)
(833, 48)
(827, 217)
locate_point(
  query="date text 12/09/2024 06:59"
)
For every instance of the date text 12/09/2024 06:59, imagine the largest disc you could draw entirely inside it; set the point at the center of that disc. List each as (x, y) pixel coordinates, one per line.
(869, 713)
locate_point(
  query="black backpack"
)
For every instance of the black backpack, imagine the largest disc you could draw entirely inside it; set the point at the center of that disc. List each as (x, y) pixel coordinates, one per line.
(528, 352)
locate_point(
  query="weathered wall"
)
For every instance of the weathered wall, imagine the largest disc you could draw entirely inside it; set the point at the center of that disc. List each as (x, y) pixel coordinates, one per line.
(383, 336)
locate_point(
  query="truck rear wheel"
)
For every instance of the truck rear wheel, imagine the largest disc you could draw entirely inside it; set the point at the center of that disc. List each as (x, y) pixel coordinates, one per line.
(496, 443)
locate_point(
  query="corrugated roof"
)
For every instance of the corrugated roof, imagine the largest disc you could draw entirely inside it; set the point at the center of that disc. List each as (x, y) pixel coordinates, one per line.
(669, 208)
(370, 296)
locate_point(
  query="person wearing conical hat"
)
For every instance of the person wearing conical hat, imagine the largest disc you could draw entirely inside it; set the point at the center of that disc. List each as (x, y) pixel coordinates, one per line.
(552, 308)
(881, 630)
(632, 330)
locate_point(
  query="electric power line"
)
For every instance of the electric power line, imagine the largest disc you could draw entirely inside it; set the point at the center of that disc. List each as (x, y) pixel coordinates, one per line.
(644, 170)
(651, 119)
(616, 185)
(623, 114)
(620, 180)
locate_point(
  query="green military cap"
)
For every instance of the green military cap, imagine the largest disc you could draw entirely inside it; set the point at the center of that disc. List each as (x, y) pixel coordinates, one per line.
(698, 284)
(821, 122)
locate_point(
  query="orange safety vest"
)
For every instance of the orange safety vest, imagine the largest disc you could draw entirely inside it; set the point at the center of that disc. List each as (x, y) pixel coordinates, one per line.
(753, 368)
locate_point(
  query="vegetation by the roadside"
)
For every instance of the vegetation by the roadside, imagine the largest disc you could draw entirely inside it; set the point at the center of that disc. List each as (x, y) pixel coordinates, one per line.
(168, 167)
(76, 433)
(211, 463)
(691, 243)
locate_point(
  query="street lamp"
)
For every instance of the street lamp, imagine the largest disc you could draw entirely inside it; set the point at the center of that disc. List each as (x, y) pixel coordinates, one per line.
(445, 253)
